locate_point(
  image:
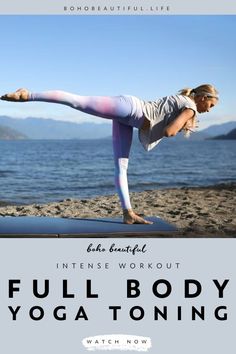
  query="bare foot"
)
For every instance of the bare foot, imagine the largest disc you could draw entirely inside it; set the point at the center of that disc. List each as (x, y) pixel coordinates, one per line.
(129, 217)
(21, 95)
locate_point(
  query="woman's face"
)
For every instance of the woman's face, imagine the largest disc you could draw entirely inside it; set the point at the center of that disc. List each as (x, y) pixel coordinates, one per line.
(204, 103)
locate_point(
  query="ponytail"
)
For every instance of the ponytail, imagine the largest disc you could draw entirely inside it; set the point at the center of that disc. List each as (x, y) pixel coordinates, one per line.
(185, 92)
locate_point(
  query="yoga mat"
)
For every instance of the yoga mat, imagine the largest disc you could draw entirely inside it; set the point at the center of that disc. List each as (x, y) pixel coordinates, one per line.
(32, 226)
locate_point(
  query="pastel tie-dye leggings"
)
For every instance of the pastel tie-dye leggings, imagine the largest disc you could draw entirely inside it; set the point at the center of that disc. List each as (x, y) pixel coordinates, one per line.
(124, 114)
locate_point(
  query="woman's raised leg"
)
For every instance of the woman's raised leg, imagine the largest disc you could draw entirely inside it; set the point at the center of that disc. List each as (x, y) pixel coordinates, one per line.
(102, 106)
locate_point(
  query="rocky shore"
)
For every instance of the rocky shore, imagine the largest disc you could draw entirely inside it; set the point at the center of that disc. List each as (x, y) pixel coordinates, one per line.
(196, 212)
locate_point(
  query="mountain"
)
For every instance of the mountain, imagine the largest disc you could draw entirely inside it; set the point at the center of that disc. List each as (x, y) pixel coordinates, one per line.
(7, 133)
(219, 129)
(230, 136)
(199, 135)
(39, 128)
(210, 132)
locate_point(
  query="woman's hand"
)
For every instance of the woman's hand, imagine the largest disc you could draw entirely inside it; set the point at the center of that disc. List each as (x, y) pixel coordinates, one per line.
(129, 217)
(21, 95)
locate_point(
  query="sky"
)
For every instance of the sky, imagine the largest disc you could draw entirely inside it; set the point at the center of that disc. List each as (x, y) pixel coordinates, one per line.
(145, 56)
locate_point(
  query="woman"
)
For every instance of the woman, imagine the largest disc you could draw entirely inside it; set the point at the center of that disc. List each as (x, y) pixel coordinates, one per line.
(164, 117)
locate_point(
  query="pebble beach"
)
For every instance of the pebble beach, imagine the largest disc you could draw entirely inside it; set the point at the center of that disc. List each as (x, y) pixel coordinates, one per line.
(196, 212)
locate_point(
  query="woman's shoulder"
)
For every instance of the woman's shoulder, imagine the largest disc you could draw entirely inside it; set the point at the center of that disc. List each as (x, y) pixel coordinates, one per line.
(185, 101)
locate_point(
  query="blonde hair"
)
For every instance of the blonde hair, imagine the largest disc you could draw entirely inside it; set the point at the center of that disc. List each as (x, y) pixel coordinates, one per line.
(203, 90)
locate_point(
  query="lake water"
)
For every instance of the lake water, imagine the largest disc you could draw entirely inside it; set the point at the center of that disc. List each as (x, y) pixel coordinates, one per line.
(40, 171)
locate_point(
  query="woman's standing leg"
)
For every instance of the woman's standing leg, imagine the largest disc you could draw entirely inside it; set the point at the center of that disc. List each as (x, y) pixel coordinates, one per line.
(122, 138)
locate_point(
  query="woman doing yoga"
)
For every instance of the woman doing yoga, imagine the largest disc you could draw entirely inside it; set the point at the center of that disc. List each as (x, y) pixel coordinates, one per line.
(164, 117)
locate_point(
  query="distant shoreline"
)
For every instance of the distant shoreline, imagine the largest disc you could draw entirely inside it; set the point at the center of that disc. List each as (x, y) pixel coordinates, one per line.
(196, 211)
